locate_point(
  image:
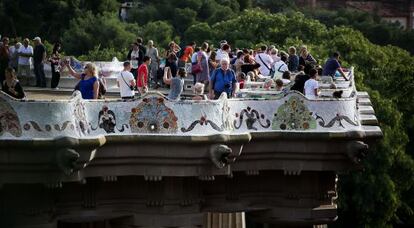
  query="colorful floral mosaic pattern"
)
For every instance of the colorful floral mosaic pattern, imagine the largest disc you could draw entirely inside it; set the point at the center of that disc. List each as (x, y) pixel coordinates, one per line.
(152, 116)
(9, 121)
(293, 115)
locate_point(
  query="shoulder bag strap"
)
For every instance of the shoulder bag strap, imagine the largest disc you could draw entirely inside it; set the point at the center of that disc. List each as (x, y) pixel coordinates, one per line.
(122, 76)
(264, 62)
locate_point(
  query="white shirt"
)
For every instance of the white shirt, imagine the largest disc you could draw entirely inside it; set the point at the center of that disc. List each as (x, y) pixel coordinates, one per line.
(266, 64)
(221, 54)
(25, 50)
(309, 88)
(194, 57)
(279, 68)
(134, 57)
(124, 87)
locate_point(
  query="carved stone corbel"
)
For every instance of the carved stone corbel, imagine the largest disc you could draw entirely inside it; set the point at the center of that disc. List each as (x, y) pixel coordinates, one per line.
(221, 155)
(356, 151)
(66, 160)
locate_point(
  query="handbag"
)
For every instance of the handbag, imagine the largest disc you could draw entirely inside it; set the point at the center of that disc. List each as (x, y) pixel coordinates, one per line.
(196, 68)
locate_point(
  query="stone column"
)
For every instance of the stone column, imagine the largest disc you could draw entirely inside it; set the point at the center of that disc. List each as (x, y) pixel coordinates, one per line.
(226, 220)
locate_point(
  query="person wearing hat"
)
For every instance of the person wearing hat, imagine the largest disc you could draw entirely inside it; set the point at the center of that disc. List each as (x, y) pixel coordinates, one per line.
(39, 57)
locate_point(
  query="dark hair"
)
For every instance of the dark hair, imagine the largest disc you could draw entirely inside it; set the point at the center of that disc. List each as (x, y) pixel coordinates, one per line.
(245, 51)
(213, 55)
(313, 72)
(204, 46)
(56, 46)
(225, 47)
(263, 48)
(283, 58)
(335, 54)
(286, 75)
(192, 43)
(197, 49)
(279, 82)
(239, 54)
(126, 63)
(181, 72)
(139, 40)
(319, 70)
(172, 57)
(146, 58)
(301, 67)
(242, 75)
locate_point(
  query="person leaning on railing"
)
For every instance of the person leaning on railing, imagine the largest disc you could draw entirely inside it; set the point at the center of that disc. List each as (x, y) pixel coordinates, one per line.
(89, 83)
(11, 85)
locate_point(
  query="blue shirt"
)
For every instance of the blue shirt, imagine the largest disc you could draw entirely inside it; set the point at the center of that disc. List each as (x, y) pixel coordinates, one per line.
(223, 81)
(330, 67)
(293, 63)
(86, 87)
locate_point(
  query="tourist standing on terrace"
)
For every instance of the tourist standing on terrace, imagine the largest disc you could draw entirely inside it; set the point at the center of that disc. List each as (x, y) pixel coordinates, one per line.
(11, 85)
(142, 50)
(202, 60)
(239, 61)
(332, 66)
(4, 58)
(89, 82)
(193, 62)
(311, 85)
(280, 67)
(223, 52)
(172, 48)
(293, 61)
(176, 83)
(39, 58)
(14, 55)
(54, 63)
(198, 90)
(212, 64)
(307, 60)
(152, 52)
(126, 82)
(133, 57)
(222, 80)
(264, 60)
(142, 79)
(186, 54)
(25, 56)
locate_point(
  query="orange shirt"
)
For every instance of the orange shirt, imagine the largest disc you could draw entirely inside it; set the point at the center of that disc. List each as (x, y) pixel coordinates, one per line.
(187, 53)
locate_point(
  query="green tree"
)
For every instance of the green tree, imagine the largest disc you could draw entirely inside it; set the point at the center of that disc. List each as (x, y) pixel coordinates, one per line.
(183, 19)
(160, 32)
(199, 33)
(89, 31)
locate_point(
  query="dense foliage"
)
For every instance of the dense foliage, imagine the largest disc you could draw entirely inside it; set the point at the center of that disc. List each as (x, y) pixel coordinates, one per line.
(378, 196)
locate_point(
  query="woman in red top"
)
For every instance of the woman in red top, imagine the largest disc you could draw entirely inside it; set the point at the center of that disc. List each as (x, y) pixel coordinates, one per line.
(142, 79)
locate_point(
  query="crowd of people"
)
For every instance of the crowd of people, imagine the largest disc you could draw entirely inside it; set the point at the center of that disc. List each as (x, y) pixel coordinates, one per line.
(214, 71)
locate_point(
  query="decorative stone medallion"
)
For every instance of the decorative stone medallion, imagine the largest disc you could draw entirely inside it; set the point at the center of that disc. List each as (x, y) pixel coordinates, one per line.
(9, 120)
(293, 115)
(153, 116)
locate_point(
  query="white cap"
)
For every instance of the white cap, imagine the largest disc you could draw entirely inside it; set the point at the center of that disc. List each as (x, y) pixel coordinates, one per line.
(37, 38)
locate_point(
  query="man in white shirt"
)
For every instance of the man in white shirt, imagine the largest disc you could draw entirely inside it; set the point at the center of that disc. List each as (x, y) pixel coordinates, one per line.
(223, 53)
(311, 85)
(126, 82)
(25, 53)
(280, 67)
(264, 60)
